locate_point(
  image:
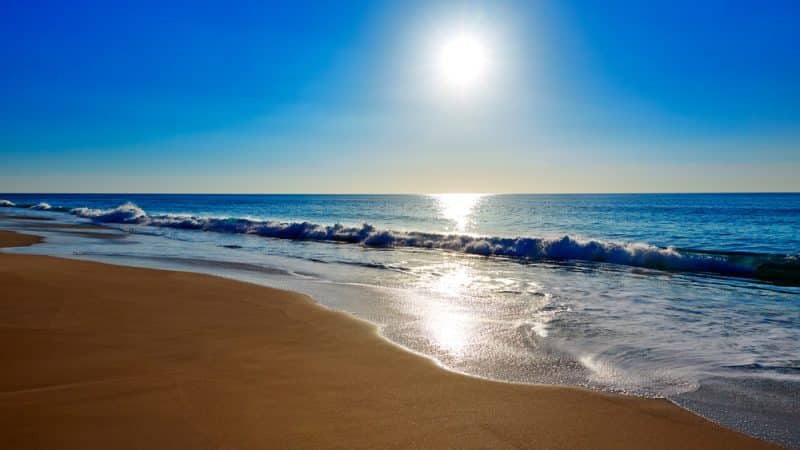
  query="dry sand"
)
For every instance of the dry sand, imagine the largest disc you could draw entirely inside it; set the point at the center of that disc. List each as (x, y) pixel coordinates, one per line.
(96, 356)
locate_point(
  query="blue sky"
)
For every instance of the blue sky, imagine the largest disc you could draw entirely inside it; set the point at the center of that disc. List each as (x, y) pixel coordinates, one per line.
(583, 96)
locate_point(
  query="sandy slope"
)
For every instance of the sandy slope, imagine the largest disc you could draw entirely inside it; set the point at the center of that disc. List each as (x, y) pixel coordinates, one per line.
(101, 356)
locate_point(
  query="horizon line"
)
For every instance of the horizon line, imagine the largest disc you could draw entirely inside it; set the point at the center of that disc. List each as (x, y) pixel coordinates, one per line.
(406, 193)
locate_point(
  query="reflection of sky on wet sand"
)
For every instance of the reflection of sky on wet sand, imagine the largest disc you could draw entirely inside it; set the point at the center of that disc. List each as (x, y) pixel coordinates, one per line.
(458, 208)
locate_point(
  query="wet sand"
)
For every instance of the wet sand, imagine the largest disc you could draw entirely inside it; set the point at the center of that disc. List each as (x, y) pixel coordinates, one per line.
(87, 230)
(103, 356)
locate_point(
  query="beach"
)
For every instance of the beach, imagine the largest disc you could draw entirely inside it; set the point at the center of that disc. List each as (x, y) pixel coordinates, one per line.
(409, 224)
(103, 356)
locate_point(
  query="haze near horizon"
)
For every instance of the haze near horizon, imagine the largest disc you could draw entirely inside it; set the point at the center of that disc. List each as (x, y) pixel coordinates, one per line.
(382, 97)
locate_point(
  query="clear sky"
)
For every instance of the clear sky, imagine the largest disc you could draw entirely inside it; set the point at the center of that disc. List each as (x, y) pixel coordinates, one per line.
(574, 96)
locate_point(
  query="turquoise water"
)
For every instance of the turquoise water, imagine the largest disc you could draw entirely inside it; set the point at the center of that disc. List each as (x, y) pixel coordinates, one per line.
(690, 297)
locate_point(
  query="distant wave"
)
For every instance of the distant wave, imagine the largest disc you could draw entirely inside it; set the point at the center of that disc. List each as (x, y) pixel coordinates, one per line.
(37, 206)
(780, 268)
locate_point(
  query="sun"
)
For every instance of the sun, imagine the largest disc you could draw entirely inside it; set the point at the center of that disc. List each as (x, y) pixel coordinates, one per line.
(462, 61)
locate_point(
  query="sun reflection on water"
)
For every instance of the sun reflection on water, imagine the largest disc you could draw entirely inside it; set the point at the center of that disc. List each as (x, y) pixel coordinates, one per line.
(458, 208)
(448, 329)
(453, 282)
(448, 326)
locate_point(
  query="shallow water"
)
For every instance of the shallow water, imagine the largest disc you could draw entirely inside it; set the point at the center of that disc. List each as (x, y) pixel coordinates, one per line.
(645, 296)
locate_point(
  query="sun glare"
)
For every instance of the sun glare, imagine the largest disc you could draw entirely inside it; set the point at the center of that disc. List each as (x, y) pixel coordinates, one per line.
(458, 208)
(462, 61)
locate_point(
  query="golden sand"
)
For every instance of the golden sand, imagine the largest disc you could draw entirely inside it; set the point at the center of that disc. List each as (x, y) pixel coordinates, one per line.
(97, 356)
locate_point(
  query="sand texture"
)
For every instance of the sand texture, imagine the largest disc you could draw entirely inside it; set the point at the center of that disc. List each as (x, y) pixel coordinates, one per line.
(97, 356)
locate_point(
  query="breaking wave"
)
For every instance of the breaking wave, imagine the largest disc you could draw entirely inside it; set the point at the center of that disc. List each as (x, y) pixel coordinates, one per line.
(37, 206)
(776, 268)
(772, 267)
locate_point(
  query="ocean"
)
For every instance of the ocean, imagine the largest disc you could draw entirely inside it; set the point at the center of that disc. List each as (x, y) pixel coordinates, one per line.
(690, 297)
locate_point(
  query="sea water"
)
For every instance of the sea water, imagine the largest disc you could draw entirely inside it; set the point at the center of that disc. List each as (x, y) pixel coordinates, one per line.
(692, 297)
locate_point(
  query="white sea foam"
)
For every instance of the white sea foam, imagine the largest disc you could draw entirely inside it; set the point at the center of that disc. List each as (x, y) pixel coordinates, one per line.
(603, 371)
(526, 248)
(125, 213)
(6, 204)
(42, 206)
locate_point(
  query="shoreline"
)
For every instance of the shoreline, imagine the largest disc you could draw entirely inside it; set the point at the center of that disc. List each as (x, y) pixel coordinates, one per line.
(185, 360)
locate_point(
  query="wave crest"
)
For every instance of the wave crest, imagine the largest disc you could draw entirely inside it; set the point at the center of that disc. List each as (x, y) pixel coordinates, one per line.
(784, 269)
(523, 248)
(125, 213)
